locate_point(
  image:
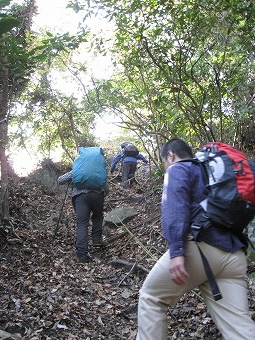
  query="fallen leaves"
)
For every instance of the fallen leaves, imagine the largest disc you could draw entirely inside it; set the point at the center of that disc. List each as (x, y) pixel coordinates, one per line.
(45, 294)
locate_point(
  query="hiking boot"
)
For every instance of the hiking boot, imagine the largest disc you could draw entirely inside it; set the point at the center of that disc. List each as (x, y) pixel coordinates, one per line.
(99, 243)
(84, 259)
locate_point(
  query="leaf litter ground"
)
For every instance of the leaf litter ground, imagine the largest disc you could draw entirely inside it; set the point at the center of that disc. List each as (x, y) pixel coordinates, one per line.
(45, 294)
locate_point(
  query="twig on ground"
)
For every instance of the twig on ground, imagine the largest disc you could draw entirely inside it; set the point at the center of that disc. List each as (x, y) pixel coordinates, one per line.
(134, 266)
(124, 278)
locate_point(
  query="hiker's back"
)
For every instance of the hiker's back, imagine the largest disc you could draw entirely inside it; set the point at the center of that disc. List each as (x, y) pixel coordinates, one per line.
(130, 150)
(195, 176)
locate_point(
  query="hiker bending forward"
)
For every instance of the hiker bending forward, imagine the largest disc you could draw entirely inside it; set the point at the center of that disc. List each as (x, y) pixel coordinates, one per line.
(129, 164)
(181, 268)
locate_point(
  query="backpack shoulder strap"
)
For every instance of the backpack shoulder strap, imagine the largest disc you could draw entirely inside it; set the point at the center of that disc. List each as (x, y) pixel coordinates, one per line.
(211, 279)
(202, 166)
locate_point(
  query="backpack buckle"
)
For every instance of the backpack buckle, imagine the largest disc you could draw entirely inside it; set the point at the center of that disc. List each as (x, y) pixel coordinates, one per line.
(204, 222)
(195, 226)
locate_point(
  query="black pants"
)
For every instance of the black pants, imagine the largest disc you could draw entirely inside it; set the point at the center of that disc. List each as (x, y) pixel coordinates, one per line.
(84, 205)
(128, 173)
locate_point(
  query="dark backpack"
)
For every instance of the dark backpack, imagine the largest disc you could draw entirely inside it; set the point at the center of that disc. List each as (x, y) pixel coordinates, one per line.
(89, 169)
(231, 183)
(230, 179)
(131, 151)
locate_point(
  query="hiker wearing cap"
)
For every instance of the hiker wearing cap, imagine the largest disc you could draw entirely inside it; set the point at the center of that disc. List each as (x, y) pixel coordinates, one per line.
(129, 155)
(181, 268)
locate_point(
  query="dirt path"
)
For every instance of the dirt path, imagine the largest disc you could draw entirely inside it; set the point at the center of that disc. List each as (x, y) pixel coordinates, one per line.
(45, 294)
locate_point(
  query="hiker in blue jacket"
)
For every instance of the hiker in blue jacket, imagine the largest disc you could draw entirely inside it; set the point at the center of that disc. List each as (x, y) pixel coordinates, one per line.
(181, 268)
(129, 155)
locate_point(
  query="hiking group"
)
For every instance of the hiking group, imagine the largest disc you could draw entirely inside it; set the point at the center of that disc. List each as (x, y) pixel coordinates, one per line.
(206, 204)
(89, 180)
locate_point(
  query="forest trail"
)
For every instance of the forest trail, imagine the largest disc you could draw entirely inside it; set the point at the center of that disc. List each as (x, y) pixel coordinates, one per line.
(45, 294)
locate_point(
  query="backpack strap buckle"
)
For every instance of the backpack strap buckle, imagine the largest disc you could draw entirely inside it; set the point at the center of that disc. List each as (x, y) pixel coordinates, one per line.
(202, 222)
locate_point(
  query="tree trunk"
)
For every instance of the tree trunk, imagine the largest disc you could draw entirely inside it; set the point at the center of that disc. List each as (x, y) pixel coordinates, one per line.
(4, 193)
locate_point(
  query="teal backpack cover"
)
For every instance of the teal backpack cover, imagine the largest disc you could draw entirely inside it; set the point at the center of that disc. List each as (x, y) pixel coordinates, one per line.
(89, 169)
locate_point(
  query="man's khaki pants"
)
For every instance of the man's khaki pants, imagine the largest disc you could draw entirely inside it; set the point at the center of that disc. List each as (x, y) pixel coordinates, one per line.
(230, 314)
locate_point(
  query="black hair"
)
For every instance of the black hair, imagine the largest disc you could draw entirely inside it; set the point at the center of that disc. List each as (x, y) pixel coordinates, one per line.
(86, 144)
(177, 146)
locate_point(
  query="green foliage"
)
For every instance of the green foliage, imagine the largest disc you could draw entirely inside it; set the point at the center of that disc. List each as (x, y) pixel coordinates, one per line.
(22, 53)
(7, 23)
(14, 47)
(58, 121)
(46, 117)
(51, 46)
(187, 68)
(4, 3)
(75, 5)
(183, 68)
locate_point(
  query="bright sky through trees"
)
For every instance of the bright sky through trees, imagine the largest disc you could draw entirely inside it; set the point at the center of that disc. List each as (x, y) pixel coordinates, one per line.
(53, 15)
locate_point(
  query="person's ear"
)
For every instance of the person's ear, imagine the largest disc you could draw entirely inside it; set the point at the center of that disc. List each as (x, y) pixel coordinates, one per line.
(170, 154)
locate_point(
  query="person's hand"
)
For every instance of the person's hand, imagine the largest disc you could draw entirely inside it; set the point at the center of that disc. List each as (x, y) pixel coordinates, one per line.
(177, 270)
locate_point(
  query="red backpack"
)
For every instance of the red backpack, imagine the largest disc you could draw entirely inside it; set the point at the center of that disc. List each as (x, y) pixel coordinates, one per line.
(231, 184)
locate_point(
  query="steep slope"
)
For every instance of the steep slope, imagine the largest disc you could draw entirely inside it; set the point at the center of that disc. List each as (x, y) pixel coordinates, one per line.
(45, 294)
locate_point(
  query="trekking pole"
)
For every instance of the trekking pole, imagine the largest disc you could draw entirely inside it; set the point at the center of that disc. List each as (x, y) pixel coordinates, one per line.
(60, 213)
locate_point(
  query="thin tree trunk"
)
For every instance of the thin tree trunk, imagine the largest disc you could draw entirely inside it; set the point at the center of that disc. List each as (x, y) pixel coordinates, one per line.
(4, 193)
